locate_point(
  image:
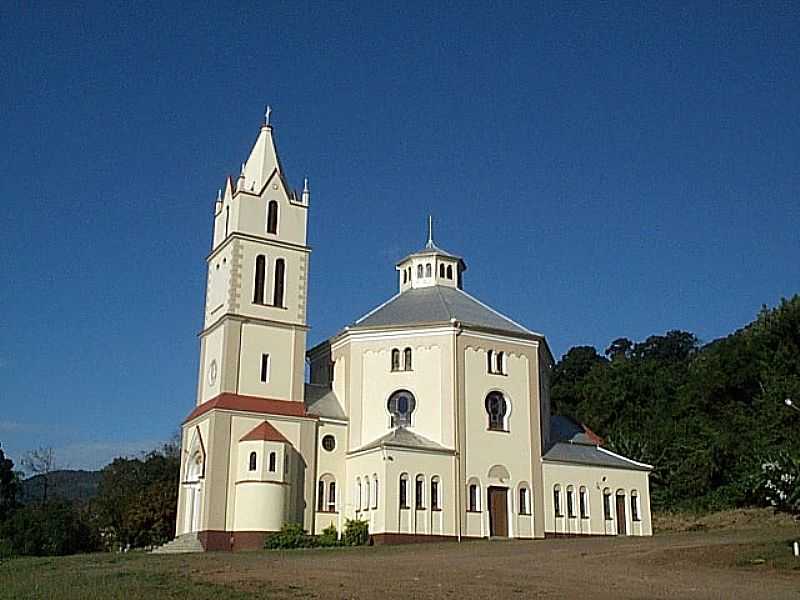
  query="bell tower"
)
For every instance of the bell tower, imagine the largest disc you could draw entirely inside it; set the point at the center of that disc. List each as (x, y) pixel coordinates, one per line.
(254, 331)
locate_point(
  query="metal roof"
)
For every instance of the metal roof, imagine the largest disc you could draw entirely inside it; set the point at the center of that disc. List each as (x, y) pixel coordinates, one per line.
(403, 438)
(438, 304)
(321, 401)
(565, 452)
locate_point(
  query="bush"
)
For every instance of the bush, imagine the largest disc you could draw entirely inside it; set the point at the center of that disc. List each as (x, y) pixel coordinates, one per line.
(356, 532)
(55, 528)
(291, 535)
(329, 537)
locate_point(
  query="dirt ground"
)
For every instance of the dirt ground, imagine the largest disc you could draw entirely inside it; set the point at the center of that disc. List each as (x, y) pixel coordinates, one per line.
(697, 564)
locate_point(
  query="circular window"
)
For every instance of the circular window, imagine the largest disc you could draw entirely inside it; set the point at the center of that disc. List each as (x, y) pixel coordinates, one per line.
(401, 404)
(328, 442)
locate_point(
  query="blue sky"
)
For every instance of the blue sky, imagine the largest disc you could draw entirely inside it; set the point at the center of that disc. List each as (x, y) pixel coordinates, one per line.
(620, 169)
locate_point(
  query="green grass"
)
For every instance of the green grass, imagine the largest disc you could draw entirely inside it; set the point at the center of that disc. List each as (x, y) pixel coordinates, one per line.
(109, 576)
(771, 555)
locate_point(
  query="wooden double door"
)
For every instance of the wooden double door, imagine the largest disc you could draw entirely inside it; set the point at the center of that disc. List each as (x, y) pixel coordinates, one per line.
(498, 512)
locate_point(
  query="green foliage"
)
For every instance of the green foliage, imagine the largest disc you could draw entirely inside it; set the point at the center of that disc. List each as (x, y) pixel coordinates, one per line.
(291, 535)
(356, 532)
(137, 499)
(329, 537)
(9, 486)
(703, 416)
(55, 528)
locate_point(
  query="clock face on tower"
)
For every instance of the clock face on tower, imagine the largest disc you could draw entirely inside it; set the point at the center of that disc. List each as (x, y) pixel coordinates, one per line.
(212, 372)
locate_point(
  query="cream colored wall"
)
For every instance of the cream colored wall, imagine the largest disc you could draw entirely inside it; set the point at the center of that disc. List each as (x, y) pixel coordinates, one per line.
(518, 449)
(595, 479)
(285, 347)
(189, 444)
(369, 381)
(295, 281)
(388, 466)
(333, 464)
(211, 351)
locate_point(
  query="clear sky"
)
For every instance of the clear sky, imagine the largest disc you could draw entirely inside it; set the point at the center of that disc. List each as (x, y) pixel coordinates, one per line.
(610, 170)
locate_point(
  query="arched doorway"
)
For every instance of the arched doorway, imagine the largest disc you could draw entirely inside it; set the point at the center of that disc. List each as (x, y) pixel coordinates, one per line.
(194, 492)
(497, 501)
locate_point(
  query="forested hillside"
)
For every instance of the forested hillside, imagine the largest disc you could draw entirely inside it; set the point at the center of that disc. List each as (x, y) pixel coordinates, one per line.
(711, 419)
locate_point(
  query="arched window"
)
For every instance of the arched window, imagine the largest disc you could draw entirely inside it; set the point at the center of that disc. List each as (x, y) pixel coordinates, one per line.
(501, 363)
(358, 494)
(272, 217)
(524, 500)
(280, 272)
(332, 496)
(260, 278)
(607, 512)
(366, 493)
(571, 502)
(419, 271)
(449, 271)
(374, 491)
(395, 359)
(473, 498)
(497, 409)
(419, 492)
(272, 458)
(490, 361)
(557, 500)
(320, 496)
(403, 491)
(435, 505)
(252, 464)
(583, 502)
(405, 276)
(635, 506)
(441, 270)
(407, 359)
(428, 270)
(401, 404)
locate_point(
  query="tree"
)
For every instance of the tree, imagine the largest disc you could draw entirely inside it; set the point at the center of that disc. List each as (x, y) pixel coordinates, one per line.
(137, 500)
(41, 461)
(9, 486)
(619, 349)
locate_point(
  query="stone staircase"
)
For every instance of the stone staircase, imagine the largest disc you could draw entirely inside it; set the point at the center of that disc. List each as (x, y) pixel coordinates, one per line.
(182, 544)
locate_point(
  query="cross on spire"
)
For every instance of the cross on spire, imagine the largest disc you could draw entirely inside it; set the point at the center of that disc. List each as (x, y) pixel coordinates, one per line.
(267, 113)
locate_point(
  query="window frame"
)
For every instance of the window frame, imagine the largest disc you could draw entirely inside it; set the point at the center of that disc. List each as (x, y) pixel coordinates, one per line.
(272, 462)
(419, 492)
(557, 501)
(524, 494)
(570, 502)
(436, 503)
(265, 367)
(636, 515)
(260, 279)
(498, 421)
(272, 217)
(473, 497)
(252, 462)
(402, 491)
(583, 502)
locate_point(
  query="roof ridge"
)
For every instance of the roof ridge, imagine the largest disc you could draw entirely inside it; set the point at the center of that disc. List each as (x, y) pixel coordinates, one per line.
(499, 314)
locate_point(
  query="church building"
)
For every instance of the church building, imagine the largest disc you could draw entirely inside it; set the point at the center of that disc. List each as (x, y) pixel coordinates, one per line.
(428, 417)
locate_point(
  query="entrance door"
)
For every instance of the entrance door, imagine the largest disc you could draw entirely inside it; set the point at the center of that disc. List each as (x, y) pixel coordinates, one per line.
(622, 523)
(498, 512)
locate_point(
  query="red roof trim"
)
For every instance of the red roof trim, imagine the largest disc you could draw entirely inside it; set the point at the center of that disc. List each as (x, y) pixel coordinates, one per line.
(266, 406)
(265, 432)
(593, 436)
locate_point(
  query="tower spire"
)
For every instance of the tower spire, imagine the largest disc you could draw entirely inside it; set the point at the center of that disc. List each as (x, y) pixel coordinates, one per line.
(267, 113)
(430, 232)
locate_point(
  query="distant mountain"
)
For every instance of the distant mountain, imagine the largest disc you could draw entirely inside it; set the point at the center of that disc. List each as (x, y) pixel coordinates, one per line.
(74, 486)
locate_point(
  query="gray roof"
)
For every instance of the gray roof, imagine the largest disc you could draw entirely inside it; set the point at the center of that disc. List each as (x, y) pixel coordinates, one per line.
(438, 304)
(431, 248)
(403, 438)
(565, 452)
(321, 400)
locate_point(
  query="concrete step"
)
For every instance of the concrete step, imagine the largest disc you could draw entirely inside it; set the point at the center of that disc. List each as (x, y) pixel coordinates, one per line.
(183, 544)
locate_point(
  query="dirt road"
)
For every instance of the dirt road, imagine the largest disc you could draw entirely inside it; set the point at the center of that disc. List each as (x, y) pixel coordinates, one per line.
(679, 565)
